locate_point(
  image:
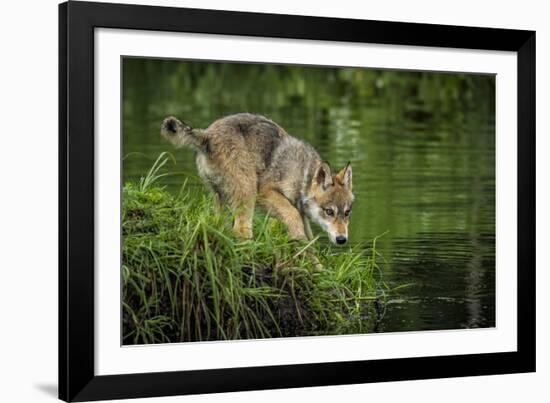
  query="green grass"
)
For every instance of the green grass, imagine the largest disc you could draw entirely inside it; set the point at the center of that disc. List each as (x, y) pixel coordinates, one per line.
(187, 278)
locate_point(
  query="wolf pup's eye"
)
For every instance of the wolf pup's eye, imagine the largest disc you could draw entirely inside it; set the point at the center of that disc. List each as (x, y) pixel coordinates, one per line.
(329, 211)
(347, 212)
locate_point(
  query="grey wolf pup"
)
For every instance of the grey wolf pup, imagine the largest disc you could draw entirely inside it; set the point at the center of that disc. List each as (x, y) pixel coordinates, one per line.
(247, 159)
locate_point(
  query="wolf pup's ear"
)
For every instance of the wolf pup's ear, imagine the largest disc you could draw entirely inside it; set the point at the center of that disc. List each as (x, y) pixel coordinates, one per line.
(344, 176)
(323, 176)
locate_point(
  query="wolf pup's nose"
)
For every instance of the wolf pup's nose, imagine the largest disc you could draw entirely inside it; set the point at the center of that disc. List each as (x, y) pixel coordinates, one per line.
(340, 240)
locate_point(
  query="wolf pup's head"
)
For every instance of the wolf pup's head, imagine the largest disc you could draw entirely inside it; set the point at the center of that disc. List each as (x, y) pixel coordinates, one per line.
(329, 200)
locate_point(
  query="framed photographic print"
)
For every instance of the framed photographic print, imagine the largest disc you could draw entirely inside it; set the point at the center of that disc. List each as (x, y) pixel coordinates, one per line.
(257, 201)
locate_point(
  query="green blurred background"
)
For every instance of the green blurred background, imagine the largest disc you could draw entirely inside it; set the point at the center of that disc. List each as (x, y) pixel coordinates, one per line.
(422, 146)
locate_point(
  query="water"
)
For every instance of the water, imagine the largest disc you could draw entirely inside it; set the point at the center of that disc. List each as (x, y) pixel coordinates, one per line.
(422, 147)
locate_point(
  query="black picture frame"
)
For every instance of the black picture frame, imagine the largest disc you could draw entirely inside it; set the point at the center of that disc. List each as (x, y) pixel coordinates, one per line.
(77, 21)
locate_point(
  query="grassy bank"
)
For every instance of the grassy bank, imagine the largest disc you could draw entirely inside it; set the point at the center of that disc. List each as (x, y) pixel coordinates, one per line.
(186, 278)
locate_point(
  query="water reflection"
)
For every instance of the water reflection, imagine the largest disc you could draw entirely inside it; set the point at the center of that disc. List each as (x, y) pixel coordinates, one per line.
(422, 147)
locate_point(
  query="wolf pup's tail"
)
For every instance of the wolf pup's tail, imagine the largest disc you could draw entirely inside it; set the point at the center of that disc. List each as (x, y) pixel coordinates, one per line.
(181, 134)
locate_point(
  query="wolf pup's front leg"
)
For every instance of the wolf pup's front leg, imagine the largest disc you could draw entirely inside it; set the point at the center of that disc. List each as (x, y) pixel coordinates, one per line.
(281, 207)
(307, 228)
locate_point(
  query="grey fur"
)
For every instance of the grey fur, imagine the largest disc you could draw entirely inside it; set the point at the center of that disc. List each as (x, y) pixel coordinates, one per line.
(244, 157)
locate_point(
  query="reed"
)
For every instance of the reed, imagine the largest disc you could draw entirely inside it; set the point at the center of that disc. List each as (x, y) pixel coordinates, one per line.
(187, 278)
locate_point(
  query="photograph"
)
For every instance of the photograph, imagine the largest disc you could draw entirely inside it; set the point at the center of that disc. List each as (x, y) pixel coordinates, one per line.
(272, 200)
(289, 199)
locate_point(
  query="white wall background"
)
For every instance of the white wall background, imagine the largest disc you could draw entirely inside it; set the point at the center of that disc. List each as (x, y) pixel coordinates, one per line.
(28, 198)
